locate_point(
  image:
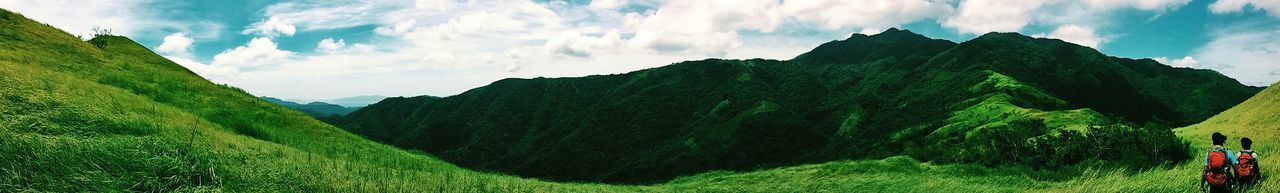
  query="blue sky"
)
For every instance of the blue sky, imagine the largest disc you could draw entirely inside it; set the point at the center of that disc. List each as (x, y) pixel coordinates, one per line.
(312, 50)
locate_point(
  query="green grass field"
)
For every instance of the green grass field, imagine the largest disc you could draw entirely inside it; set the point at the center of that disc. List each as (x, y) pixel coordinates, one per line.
(1258, 118)
(78, 118)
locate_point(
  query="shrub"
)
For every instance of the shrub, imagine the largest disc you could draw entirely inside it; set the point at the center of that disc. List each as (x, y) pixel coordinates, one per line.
(1031, 143)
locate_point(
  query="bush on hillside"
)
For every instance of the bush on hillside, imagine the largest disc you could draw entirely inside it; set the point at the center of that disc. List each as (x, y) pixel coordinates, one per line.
(1031, 143)
(100, 43)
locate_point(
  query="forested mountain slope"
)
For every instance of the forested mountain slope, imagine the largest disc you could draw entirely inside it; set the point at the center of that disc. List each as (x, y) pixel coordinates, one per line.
(893, 93)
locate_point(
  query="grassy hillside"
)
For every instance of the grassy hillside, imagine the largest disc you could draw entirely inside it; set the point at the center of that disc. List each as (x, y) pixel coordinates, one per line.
(866, 97)
(110, 115)
(1257, 118)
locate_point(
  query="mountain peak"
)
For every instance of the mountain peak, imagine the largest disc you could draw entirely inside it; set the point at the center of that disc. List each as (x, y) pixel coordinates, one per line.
(1001, 35)
(1015, 39)
(860, 48)
(889, 33)
(897, 32)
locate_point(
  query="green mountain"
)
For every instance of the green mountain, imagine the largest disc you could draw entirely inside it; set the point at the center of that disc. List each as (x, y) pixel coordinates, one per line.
(388, 113)
(894, 93)
(314, 109)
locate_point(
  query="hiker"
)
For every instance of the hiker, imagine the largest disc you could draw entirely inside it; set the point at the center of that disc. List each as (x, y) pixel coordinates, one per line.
(1217, 163)
(1247, 170)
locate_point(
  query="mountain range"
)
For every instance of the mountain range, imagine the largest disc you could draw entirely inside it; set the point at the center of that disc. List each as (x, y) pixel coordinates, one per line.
(318, 110)
(355, 101)
(865, 97)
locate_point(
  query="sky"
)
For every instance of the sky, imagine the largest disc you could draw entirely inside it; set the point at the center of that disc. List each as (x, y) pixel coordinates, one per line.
(316, 50)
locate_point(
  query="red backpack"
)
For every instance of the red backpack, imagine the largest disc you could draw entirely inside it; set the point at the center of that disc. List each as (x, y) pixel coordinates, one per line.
(1216, 173)
(1244, 171)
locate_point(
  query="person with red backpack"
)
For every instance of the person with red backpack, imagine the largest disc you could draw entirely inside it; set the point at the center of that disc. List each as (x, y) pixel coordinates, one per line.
(1218, 163)
(1247, 171)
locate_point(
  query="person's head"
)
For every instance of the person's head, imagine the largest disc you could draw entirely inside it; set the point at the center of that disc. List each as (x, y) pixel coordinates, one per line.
(1246, 143)
(1218, 138)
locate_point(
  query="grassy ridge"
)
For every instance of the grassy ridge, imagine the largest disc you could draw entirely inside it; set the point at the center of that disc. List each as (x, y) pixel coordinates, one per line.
(1258, 119)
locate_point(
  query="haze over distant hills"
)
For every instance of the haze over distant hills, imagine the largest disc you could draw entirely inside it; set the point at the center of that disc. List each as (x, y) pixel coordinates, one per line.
(314, 109)
(355, 101)
(351, 101)
(893, 93)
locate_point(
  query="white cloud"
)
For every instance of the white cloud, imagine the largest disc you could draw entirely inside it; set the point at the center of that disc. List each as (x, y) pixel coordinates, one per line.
(133, 18)
(877, 14)
(1138, 4)
(520, 20)
(704, 26)
(218, 74)
(981, 16)
(475, 23)
(711, 43)
(259, 51)
(1246, 55)
(176, 44)
(437, 5)
(292, 17)
(512, 67)
(399, 28)
(328, 45)
(440, 59)
(271, 27)
(574, 44)
(1230, 6)
(606, 4)
(1185, 62)
(1082, 35)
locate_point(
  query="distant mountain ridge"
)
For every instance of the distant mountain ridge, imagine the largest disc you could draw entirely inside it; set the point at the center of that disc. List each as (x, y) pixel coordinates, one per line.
(355, 101)
(314, 109)
(868, 96)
